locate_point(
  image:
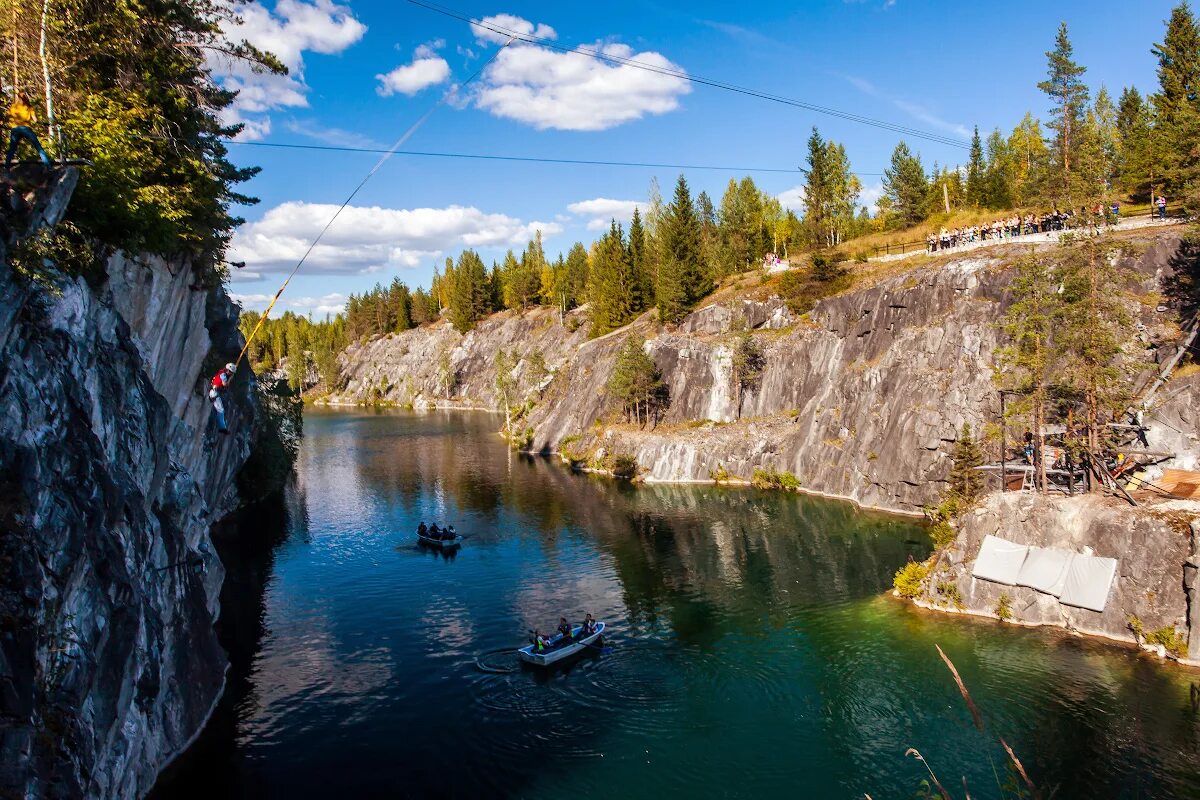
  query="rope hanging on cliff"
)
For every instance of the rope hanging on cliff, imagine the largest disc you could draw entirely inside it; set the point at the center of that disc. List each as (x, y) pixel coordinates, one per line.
(390, 152)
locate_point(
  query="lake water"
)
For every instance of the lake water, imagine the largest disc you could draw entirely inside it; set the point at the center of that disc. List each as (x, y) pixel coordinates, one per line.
(753, 650)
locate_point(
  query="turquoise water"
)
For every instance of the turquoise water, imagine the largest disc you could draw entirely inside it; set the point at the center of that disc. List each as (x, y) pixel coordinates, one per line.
(753, 652)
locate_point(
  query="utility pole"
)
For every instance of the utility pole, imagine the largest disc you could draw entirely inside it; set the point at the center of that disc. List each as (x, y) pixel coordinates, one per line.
(946, 196)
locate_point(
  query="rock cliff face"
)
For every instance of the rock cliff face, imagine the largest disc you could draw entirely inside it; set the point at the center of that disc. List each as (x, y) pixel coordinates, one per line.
(859, 399)
(1158, 554)
(110, 476)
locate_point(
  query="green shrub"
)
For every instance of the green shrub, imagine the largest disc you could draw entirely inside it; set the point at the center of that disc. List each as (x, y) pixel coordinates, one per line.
(1004, 608)
(720, 474)
(942, 534)
(623, 466)
(1169, 638)
(950, 593)
(910, 578)
(1135, 625)
(768, 479)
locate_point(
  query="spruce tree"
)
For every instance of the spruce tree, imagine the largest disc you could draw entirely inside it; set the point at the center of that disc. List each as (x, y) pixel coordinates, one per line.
(1136, 167)
(610, 284)
(966, 482)
(816, 188)
(681, 276)
(1066, 89)
(643, 288)
(577, 274)
(997, 189)
(976, 170)
(709, 234)
(734, 249)
(1177, 106)
(471, 298)
(905, 183)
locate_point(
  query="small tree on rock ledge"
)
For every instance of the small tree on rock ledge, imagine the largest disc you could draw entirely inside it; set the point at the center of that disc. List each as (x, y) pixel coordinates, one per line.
(636, 382)
(966, 483)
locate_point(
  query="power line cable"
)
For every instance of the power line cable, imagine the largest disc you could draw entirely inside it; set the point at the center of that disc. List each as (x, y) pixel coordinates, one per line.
(697, 79)
(530, 159)
(404, 137)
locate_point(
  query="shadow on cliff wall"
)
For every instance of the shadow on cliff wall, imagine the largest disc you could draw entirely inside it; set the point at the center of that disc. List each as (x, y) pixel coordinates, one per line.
(247, 542)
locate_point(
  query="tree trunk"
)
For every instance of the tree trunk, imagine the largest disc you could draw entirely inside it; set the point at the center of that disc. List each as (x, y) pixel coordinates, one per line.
(46, 74)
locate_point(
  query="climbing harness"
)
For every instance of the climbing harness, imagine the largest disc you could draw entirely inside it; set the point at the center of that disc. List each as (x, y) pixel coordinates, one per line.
(390, 152)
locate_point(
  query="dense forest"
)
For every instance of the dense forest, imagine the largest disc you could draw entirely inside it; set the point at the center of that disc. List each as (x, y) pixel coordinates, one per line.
(127, 86)
(676, 249)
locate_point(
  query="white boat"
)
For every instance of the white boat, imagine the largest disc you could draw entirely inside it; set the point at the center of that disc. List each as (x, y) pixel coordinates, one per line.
(555, 653)
(444, 544)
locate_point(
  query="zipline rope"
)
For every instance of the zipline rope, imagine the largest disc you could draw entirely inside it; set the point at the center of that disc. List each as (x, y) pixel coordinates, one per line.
(390, 152)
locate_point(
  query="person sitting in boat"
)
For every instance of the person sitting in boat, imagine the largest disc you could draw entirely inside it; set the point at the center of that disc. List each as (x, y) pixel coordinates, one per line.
(540, 642)
(564, 628)
(589, 626)
(451, 534)
(422, 530)
(435, 532)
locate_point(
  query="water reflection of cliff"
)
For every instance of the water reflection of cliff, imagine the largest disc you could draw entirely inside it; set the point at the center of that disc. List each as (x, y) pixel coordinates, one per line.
(247, 543)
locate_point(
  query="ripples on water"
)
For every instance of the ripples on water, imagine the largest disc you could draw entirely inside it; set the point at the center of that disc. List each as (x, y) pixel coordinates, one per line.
(752, 654)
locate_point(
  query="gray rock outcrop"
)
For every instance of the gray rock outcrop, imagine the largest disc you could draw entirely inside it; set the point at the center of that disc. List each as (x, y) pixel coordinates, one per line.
(860, 399)
(1153, 588)
(110, 476)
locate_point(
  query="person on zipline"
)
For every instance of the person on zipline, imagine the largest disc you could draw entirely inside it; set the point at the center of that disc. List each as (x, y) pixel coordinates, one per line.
(216, 391)
(21, 118)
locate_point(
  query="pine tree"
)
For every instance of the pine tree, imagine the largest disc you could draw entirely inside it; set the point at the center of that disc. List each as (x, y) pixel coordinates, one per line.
(905, 183)
(1069, 94)
(636, 382)
(1091, 326)
(748, 364)
(681, 275)
(976, 169)
(966, 482)
(1028, 361)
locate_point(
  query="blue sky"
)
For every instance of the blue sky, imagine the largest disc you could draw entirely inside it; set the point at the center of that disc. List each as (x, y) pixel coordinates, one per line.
(363, 72)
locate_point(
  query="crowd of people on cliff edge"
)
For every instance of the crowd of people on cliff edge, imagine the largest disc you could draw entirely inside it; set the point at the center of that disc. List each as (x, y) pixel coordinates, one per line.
(1019, 225)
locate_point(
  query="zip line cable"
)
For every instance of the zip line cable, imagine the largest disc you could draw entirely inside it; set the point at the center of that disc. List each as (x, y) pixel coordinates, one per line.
(388, 154)
(600, 55)
(531, 159)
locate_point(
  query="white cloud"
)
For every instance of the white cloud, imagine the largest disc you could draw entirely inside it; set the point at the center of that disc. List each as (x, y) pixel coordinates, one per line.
(793, 198)
(570, 91)
(369, 239)
(291, 29)
(429, 49)
(317, 306)
(412, 78)
(334, 136)
(869, 197)
(498, 25)
(602, 211)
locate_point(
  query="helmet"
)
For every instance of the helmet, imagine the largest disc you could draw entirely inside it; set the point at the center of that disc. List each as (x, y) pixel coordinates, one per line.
(231, 367)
